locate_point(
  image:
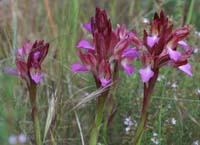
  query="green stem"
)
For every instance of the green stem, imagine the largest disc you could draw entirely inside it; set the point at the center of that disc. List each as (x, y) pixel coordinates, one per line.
(146, 102)
(140, 129)
(100, 107)
(108, 117)
(35, 119)
(190, 11)
(37, 130)
(105, 127)
(95, 130)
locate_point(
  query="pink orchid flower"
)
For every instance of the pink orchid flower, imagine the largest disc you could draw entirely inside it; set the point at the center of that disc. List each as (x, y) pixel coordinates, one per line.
(28, 61)
(108, 48)
(161, 45)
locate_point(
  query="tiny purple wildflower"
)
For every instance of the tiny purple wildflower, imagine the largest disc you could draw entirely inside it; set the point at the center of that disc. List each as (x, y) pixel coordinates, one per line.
(196, 142)
(17, 139)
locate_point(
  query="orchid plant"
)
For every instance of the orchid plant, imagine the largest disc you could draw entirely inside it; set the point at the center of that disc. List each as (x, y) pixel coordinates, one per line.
(103, 55)
(28, 61)
(160, 48)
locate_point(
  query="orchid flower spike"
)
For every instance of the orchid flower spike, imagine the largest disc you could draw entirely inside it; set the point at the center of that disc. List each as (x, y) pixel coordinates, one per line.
(108, 48)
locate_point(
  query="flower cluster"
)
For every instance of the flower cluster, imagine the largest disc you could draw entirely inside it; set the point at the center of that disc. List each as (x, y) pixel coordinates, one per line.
(161, 48)
(108, 49)
(29, 59)
(17, 139)
(128, 122)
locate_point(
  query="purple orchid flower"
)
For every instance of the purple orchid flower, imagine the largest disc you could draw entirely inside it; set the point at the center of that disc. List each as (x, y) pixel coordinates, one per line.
(28, 61)
(161, 48)
(107, 49)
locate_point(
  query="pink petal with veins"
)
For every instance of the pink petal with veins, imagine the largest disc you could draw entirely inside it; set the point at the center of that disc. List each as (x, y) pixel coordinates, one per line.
(173, 54)
(127, 68)
(130, 53)
(151, 40)
(146, 74)
(77, 67)
(36, 74)
(85, 44)
(104, 81)
(187, 68)
(184, 45)
(87, 26)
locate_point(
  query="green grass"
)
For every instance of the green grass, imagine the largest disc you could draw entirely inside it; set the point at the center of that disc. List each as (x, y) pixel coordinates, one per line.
(68, 89)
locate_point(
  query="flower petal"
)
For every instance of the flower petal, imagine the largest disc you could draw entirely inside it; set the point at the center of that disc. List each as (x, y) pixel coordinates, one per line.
(36, 55)
(87, 26)
(184, 45)
(104, 81)
(130, 53)
(22, 68)
(85, 44)
(173, 54)
(25, 49)
(77, 67)
(186, 69)
(151, 40)
(146, 74)
(36, 74)
(127, 68)
(20, 51)
(11, 71)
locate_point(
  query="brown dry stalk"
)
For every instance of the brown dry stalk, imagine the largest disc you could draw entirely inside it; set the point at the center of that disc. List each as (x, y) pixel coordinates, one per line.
(50, 19)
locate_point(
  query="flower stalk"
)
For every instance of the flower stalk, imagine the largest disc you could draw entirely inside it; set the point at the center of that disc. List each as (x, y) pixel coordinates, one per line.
(148, 90)
(34, 113)
(160, 48)
(28, 61)
(98, 119)
(102, 56)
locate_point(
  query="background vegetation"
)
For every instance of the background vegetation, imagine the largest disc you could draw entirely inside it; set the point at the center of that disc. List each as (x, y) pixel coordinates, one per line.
(175, 110)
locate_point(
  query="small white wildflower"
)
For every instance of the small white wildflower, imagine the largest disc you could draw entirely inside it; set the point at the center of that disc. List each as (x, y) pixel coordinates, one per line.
(12, 139)
(195, 50)
(128, 121)
(127, 129)
(17, 139)
(22, 138)
(155, 140)
(155, 134)
(174, 85)
(196, 142)
(197, 33)
(173, 121)
(198, 91)
(145, 20)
